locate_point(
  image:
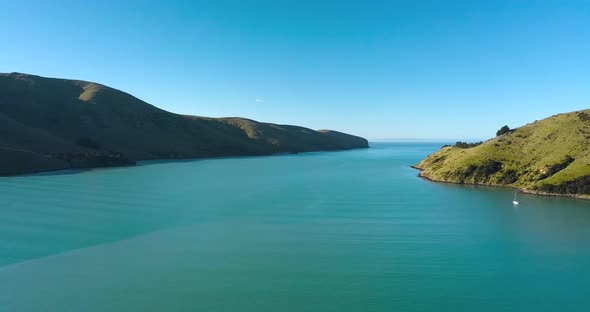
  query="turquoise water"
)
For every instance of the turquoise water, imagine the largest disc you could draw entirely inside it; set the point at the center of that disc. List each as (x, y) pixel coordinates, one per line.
(342, 231)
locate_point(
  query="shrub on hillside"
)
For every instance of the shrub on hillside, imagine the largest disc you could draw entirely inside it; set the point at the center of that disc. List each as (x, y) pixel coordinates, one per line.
(467, 145)
(577, 186)
(503, 130)
(555, 168)
(480, 173)
(508, 176)
(486, 169)
(584, 116)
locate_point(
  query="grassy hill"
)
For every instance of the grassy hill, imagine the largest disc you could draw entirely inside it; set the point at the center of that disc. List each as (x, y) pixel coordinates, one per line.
(51, 124)
(547, 156)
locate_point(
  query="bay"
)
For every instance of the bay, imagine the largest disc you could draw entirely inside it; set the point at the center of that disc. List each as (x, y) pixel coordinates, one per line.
(330, 231)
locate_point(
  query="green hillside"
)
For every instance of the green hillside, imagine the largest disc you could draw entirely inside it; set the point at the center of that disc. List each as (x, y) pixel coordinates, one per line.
(51, 124)
(547, 156)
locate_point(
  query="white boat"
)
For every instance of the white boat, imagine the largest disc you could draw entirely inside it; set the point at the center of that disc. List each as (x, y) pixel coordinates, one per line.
(514, 202)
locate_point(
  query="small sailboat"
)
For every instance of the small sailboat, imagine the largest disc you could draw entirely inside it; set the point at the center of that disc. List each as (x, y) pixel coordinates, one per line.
(514, 201)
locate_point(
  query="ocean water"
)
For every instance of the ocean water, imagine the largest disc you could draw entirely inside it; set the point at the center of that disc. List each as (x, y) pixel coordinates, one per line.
(335, 231)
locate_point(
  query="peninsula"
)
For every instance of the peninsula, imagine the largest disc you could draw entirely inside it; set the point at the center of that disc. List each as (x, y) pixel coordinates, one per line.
(547, 157)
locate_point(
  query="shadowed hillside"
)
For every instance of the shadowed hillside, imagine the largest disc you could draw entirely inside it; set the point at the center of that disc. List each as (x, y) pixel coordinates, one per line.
(51, 124)
(550, 156)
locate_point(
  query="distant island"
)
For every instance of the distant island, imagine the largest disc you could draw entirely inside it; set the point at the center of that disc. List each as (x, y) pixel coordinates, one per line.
(546, 157)
(52, 124)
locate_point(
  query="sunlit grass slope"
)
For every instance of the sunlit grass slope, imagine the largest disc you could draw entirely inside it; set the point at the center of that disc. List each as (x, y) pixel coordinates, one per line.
(551, 156)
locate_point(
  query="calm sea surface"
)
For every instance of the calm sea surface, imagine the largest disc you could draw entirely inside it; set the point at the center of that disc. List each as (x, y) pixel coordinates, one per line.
(342, 231)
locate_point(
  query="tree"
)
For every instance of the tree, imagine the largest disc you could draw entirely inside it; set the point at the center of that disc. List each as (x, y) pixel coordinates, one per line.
(503, 130)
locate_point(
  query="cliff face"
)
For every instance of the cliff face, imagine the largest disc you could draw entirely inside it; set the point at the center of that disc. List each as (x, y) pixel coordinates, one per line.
(50, 124)
(547, 156)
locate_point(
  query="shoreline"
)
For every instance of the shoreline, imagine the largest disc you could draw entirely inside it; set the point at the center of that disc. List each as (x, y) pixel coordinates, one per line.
(76, 170)
(522, 190)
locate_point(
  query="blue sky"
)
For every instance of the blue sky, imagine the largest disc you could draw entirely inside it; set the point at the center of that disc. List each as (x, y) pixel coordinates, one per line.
(380, 69)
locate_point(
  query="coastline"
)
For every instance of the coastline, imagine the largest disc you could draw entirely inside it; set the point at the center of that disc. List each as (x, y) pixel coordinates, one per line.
(584, 197)
(75, 170)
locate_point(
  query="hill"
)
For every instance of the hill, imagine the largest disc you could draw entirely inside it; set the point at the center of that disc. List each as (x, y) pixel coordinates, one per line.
(550, 156)
(51, 124)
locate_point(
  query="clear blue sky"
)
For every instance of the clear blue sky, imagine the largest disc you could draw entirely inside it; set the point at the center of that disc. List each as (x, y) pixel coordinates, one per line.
(390, 69)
